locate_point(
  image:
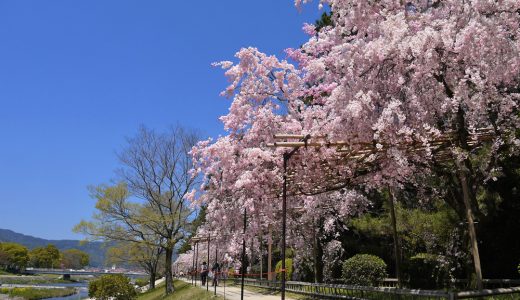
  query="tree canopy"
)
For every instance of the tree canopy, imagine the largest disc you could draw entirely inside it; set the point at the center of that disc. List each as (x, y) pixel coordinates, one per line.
(151, 205)
(384, 95)
(45, 257)
(13, 257)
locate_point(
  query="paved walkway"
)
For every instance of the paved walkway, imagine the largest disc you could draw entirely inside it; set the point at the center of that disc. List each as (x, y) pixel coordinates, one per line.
(233, 293)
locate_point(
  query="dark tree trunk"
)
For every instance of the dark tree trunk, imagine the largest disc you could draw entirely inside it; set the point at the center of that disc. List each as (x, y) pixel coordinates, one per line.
(465, 172)
(168, 271)
(152, 280)
(319, 265)
(318, 256)
(467, 196)
(151, 269)
(397, 251)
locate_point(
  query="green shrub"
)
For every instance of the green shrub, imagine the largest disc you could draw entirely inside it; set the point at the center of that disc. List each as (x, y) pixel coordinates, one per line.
(289, 253)
(364, 269)
(426, 271)
(140, 282)
(288, 267)
(113, 286)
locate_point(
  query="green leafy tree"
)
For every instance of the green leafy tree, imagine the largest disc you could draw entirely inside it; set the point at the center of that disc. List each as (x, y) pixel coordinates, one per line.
(74, 259)
(113, 286)
(146, 256)
(13, 257)
(45, 257)
(288, 267)
(325, 20)
(420, 230)
(156, 169)
(136, 243)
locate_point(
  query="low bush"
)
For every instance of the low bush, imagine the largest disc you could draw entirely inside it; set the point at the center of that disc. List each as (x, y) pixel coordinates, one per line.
(113, 286)
(427, 271)
(364, 269)
(288, 267)
(140, 282)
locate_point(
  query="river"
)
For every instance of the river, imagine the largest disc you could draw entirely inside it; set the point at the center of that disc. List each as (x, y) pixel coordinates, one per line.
(82, 288)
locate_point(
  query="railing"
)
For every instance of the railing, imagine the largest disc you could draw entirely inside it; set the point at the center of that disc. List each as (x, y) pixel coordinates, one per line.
(457, 284)
(490, 283)
(343, 291)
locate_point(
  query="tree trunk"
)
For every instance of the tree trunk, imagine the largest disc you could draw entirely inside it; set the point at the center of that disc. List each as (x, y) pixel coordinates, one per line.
(151, 269)
(396, 239)
(168, 271)
(152, 281)
(319, 265)
(467, 195)
(318, 256)
(315, 255)
(464, 173)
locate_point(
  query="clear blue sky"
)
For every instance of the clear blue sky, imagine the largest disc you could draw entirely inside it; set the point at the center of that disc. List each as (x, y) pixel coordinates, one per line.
(77, 77)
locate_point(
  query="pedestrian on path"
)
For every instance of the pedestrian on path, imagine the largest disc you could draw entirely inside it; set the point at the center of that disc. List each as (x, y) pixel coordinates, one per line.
(204, 273)
(216, 273)
(224, 271)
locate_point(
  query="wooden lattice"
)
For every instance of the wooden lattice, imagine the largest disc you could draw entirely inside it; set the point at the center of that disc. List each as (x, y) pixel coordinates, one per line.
(365, 156)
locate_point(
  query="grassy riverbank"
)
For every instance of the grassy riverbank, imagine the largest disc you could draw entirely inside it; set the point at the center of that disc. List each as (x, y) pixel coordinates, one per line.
(183, 291)
(35, 293)
(2, 272)
(39, 279)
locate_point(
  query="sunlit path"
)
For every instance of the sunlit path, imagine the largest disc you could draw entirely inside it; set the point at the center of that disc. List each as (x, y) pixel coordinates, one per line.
(233, 293)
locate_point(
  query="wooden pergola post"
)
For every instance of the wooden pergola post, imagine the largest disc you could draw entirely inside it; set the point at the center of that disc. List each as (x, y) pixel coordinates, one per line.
(261, 255)
(269, 254)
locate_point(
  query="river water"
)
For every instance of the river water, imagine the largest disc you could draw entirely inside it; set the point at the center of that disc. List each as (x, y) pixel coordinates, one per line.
(81, 287)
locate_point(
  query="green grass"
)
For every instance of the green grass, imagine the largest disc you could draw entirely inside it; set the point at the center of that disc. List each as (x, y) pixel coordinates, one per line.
(2, 272)
(34, 293)
(183, 291)
(31, 279)
(140, 282)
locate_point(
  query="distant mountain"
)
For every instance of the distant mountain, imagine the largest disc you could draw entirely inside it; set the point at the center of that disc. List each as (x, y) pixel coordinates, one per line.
(96, 250)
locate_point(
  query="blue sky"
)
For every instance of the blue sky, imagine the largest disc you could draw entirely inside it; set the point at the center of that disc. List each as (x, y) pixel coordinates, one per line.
(77, 77)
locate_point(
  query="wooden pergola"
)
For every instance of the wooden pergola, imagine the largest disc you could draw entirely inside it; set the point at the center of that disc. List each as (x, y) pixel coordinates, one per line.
(366, 155)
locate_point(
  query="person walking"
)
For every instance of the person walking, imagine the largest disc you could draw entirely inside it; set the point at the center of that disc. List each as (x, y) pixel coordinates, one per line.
(216, 273)
(204, 273)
